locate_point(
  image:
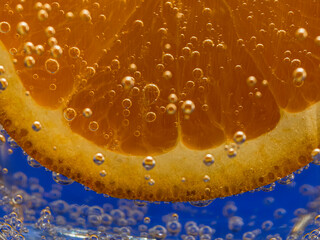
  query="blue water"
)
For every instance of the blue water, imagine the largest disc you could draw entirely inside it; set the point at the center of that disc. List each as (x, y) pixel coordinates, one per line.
(265, 214)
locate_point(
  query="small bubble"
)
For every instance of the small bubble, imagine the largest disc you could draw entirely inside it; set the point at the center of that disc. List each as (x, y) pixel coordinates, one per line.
(5, 27)
(239, 137)
(151, 182)
(29, 61)
(269, 187)
(42, 15)
(33, 163)
(18, 199)
(103, 173)
(3, 84)
(36, 126)
(315, 154)
(39, 50)
(98, 158)
(52, 41)
(148, 163)
(128, 82)
(231, 151)
(4, 170)
(317, 221)
(69, 114)
(251, 81)
(2, 70)
(208, 160)
(301, 34)
(167, 75)
(28, 48)
(151, 117)
(206, 178)
(52, 87)
(171, 108)
(87, 112)
(173, 98)
(56, 51)
(2, 139)
(316, 40)
(151, 93)
(85, 15)
(23, 28)
(286, 180)
(61, 179)
(188, 107)
(50, 31)
(74, 52)
(93, 126)
(299, 76)
(146, 220)
(52, 66)
(197, 73)
(126, 103)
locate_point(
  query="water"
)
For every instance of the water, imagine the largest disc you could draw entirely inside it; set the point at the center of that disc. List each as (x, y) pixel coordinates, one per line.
(34, 206)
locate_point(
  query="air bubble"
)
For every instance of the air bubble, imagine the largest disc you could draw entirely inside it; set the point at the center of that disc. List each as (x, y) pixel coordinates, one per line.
(239, 137)
(3, 84)
(2, 139)
(56, 51)
(299, 76)
(29, 61)
(128, 82)
(187, 107)
(50, 31)
(52, 66)
(36, 126)
(173, 98)
(87, 112)
(69, 114)
(146, 220)
(126, 103)
(85, 15)
(98, 158)
(151, 182)
(74, 52)
(197, 73)
(5, 27)
(208, 160)
(61, 179)
(315, 154)
(151, 93)
(33, 163)
(93, 126)
(2, 70)
(286, 180)
(301, 34)
(151, 117)
(148, 163)
(206, 178)
(28, 48)
(251, 81)
(171, 108)
(42, 15)
(18, 199)
(39, 50)
(23, 28)
(103, 173)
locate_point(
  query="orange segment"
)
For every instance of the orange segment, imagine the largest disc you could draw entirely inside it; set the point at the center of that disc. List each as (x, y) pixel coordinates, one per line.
(153, 91)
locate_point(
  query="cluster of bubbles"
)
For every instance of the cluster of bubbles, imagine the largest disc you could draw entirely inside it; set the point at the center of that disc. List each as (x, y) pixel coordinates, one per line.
(45, 211)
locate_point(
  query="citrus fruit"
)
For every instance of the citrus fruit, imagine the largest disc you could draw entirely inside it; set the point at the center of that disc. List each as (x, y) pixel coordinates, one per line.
(163, 100)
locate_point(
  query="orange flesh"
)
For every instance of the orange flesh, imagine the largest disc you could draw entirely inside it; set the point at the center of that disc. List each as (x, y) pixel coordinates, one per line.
(249, 39)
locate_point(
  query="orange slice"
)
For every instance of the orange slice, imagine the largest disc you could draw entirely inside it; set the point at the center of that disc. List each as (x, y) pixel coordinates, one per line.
(163, 100)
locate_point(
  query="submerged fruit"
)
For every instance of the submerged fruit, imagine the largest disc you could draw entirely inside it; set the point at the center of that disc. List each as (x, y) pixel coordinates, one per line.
(163, 100)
